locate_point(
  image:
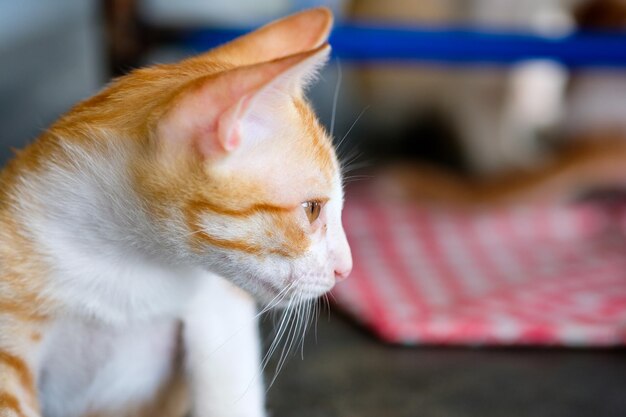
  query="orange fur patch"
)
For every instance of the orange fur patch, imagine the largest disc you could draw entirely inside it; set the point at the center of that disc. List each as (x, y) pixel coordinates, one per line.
(20, 368)
(21, 310)
(8, 402)
(294, 241)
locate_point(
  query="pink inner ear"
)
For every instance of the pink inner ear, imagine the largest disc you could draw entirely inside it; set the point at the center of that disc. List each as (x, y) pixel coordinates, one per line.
(228, 133)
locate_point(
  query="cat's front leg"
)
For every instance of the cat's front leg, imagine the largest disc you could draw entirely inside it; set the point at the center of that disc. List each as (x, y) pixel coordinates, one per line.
(222, 347)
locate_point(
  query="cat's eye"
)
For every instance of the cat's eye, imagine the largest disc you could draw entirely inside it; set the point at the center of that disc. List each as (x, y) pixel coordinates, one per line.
(312, 210)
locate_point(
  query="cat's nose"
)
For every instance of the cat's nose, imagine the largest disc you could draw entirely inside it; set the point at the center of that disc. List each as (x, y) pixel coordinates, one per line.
(343, 259)
(342, 274)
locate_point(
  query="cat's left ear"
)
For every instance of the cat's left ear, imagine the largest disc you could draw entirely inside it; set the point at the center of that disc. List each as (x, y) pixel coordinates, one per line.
(217, 115)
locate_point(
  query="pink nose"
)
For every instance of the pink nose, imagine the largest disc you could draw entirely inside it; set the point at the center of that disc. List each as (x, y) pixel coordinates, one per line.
(342, 257)
(342, 274)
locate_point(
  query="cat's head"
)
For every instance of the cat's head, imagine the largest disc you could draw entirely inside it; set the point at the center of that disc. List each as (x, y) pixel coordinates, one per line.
(242, 168)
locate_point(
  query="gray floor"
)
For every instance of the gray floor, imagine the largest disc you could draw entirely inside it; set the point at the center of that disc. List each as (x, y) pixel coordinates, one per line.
(349, 374)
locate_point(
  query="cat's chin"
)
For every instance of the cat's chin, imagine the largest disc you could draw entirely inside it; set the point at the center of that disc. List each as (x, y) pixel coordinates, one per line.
(292, 295)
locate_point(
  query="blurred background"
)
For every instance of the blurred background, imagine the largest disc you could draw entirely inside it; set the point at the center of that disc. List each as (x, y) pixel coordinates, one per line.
(484, 145)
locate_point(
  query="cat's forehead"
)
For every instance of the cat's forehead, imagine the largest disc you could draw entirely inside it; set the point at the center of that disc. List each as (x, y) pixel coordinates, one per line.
(302, 163)
(316, 140)
(293, 165)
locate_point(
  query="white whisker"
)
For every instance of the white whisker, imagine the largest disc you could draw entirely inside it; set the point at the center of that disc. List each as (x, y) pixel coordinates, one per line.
(335, 99)
(338, 146)
(291, 336)
(318, 310)
(274, 302)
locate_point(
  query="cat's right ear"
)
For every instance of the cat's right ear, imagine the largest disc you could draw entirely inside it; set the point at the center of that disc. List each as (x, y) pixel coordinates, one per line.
(209, 115)
(290, 35)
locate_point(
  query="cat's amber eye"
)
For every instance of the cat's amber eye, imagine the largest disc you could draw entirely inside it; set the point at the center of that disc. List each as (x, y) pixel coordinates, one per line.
(312, 210)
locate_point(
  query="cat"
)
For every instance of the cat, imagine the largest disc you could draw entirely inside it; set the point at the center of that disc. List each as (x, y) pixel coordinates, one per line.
(138, 231)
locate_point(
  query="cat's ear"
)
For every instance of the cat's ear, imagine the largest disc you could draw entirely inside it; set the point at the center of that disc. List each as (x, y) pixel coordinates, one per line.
(214, 114)
(293, 34)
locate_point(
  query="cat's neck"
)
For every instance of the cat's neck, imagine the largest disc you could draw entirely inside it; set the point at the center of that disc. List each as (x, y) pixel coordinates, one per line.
(90, 230)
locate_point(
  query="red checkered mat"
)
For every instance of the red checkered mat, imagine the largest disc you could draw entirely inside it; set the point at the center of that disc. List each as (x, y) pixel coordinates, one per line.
(540, 275)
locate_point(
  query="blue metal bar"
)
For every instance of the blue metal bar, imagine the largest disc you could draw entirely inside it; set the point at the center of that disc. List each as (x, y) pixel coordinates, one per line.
(368, 43)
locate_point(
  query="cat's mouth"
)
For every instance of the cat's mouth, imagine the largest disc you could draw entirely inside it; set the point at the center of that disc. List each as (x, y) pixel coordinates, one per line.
(292, 291)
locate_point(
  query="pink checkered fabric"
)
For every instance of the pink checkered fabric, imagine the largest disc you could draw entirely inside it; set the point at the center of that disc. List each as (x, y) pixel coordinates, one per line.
(540, 275)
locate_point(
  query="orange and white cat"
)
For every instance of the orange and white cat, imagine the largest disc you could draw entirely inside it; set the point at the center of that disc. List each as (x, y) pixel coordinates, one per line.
(135, 230)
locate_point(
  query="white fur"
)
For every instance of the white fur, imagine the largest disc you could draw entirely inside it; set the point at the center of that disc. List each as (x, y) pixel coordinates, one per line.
(90, 366)
(221, 335)
(101, 246)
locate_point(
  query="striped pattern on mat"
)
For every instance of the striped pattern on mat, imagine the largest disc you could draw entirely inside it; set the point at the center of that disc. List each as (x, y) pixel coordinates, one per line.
(540, 275)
